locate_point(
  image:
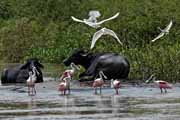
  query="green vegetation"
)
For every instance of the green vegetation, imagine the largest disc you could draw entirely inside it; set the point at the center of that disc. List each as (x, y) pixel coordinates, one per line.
(44, 29)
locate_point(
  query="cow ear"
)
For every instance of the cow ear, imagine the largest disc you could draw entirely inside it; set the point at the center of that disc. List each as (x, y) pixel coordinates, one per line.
(40, 65)
(25, 66)
(84, 53)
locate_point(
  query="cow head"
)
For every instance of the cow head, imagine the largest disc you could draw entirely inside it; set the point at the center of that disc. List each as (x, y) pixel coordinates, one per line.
(31, 63)
(78, 57)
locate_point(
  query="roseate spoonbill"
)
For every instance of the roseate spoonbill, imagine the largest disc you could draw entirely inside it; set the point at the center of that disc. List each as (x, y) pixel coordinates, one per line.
(99, 82)
(65, 85)
(92, 21)
(70, 72)
(160, 83)
(116, 85)
(31, 81)
(103, 31)
(163, 31)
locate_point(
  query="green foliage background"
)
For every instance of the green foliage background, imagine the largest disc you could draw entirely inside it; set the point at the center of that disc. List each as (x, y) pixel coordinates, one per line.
(44, 29)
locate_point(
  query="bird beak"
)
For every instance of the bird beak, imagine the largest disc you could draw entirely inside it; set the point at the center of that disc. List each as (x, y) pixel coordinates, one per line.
(147, 81)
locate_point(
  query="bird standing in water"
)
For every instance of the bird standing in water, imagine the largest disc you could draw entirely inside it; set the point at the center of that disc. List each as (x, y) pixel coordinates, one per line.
(116, 85)
(160, 83)
(99, 82)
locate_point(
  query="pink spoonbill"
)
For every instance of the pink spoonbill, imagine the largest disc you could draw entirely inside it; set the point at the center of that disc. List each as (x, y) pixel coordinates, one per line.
(160, 83)
(99, 82)
(64, 85)
(116, 85)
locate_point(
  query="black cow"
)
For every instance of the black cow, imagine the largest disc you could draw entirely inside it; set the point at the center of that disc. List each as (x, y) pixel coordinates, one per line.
(19, 73)
(113, 65)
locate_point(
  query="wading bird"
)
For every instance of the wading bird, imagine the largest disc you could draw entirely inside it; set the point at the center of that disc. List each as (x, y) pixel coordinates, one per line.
(65, 85)
(163, 31)
(68, 75)
(160, 83)
(99, 82)
(92, 21)
(70, 72)
(103, 31)
(116, 85)
(31, 81)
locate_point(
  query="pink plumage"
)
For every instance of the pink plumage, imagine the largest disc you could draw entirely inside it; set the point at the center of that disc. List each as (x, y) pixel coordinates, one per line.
(62, 86)
(163, 84)
(116, 85)
(160, 83)
(98, 82)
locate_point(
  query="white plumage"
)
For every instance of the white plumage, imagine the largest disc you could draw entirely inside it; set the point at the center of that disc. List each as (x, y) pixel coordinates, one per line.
(92, 21)
(163, 31)
(103, 31)
(31, 81)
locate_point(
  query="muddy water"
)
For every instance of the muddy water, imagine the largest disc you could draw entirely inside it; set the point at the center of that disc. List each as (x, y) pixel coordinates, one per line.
(133, 103)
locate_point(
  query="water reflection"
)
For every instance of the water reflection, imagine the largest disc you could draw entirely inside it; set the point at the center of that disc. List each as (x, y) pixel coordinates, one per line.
(83, 104)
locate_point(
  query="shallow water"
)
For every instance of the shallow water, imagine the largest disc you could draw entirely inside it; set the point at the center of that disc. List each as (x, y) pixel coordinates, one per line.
(133, 103)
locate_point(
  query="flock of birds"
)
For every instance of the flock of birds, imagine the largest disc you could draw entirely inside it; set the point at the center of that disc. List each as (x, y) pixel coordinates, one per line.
(92, 22)
(67, 75)
(99, 82)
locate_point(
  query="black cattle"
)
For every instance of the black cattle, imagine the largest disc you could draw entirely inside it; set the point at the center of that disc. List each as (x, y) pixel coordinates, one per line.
(113, 65)
(19, 73)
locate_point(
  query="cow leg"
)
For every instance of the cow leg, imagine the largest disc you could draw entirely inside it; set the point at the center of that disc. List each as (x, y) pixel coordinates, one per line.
(165, 90)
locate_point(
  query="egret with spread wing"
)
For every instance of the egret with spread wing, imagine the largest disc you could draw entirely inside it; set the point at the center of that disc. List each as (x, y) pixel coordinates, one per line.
(163, 31)
(103, 31)
(92, 21)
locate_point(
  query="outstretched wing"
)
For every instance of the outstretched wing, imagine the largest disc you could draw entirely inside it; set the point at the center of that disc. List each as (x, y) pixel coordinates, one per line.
(169, 26)
(96, 36)
(159, 36)
(113, 17)
(112, 33)
(77, 20)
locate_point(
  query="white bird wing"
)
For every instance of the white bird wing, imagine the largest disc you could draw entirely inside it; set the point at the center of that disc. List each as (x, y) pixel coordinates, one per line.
(77, 20)
(96, 36)
(112, 33)
(159, 36)
(113, 17)
(169, 26)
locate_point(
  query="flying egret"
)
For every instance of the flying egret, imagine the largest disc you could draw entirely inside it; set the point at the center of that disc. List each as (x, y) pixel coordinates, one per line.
(103, 31)
(92, 21)
(163, 31)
